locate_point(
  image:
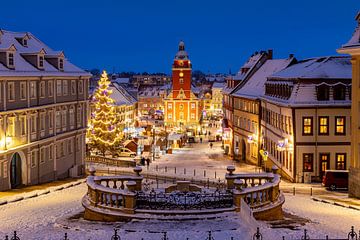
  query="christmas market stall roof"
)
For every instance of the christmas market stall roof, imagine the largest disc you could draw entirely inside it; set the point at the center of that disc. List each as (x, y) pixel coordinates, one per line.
(255, 85)
(33, 47)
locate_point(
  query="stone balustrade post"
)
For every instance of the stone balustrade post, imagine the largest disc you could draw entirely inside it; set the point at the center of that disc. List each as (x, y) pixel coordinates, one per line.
(238, 196)
(229, 177)
(130, 203)
(238, 183)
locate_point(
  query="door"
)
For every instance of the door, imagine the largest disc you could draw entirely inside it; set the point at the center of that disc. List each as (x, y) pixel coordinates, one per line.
(15, 171)
(324, 163)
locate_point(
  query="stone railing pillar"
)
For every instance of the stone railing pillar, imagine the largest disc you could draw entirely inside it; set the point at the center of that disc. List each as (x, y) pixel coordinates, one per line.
(229, 177)
(137, 170)
(130, 203)
(238, 196)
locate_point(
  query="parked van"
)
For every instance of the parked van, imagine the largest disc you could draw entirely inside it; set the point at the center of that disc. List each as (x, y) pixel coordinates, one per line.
(336, 179)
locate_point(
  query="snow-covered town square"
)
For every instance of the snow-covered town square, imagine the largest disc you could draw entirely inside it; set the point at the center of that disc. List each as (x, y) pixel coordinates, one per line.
(179, 120)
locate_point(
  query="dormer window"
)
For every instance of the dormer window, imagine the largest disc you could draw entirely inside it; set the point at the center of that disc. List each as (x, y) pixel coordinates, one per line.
(11, 62)
(41, 61)
(339, 92)
(25, 42)
(61, 64)
(323, 92)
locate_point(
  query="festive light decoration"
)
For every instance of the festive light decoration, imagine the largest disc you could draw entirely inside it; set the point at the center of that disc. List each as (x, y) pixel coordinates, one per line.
(103, 132)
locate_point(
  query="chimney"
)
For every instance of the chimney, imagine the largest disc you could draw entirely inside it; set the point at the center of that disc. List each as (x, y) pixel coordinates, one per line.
(270, 53)
(291, 55)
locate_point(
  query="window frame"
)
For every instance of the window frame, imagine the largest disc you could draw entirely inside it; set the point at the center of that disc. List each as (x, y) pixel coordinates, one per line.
(320, 125)
(11, 91)
(336, 125)
(311, 126)
(312, 162)
(337, 162)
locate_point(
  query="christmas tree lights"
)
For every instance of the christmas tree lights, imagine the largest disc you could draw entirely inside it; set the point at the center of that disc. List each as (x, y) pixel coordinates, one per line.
(104, 132)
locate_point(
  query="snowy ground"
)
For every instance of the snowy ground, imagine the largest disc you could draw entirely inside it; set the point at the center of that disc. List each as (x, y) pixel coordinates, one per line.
(50, 216)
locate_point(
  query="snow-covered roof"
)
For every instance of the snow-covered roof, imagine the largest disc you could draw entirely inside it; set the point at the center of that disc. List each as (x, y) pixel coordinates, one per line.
(122, 80)
(332, 67)
(355, 39)
(34, 46)
(255, 85)
(219, 85)
(249, 64)
(305, 76)
(120, 95)
(153, 91)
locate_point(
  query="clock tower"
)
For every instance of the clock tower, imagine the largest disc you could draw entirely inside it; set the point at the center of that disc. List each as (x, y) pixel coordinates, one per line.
(181, 73)
(182, 108)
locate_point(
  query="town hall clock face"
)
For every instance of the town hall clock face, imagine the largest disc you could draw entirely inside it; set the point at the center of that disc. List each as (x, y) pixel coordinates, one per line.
(181, 63)
(181, 74)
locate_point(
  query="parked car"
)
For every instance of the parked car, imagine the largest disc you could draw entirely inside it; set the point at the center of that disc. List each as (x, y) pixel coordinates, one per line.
(124, 152)
(336, 179)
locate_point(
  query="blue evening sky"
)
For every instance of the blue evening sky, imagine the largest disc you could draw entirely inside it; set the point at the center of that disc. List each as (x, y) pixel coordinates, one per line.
(142, 35)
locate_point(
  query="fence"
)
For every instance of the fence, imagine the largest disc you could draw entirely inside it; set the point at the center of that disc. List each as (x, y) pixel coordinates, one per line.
(352, 235)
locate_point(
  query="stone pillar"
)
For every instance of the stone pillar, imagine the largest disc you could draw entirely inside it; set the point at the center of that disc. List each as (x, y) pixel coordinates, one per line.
(230, 177)
(138, 181)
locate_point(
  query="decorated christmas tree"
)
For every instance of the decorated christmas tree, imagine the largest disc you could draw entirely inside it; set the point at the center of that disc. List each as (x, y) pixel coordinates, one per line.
(103, 130)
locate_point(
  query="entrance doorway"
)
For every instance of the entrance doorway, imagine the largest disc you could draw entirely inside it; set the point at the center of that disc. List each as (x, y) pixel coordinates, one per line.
(15, 171)
(324, 163)
(243, 150)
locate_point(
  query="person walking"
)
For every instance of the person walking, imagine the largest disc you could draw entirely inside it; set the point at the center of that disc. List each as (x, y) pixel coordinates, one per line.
(148, 162)
(200, 139)
(211, 145)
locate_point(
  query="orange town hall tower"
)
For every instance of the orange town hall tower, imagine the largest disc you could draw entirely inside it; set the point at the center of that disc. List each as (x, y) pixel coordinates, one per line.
(182, 107)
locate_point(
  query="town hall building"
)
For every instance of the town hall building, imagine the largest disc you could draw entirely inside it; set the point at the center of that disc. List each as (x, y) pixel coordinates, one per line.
(182, 107)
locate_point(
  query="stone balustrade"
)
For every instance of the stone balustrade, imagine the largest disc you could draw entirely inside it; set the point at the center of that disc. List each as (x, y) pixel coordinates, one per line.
(111, 198)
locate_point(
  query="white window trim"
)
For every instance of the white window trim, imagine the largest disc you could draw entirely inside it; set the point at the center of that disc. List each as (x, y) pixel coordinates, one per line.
(23, 85)
(12, 93)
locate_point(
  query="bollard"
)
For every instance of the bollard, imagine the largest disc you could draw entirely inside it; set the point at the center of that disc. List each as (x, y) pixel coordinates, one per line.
(157, 168)
(165, 168)
(194, 172)
(215, 174)
(204, 173)
(311, 193)
(294, 191)
(175, 170)
(184, 171)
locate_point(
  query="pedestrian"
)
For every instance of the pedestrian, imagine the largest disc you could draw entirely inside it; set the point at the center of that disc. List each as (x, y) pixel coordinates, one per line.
(147, 162)
(200, 139)
(209, 133)
(211, 145)
(142, 161)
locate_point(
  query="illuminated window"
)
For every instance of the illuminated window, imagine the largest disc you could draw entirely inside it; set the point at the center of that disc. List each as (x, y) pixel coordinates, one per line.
(192, 105)
(323, 125)
(340, 126)
(169, 106)
(181, 116)
(169, 116)
(181, 80)
(340, 161)
(181, 106)
(308, 162)
(307, 126)
(11, 126)
(192, 115)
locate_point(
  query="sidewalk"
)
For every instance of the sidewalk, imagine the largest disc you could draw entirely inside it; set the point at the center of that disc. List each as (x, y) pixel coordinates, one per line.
(19, 194)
